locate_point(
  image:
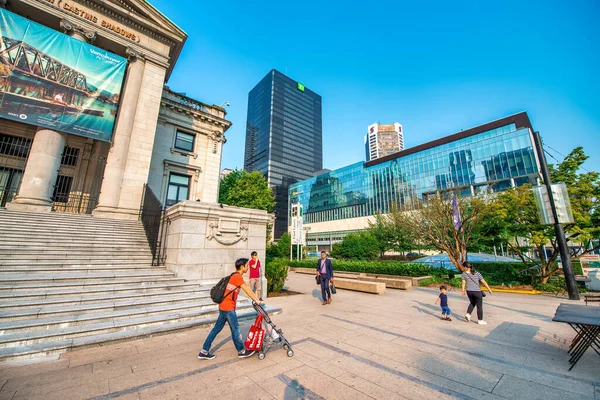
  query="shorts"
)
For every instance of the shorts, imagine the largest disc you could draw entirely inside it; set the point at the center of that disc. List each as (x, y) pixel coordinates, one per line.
(445, 310)
(254, 284)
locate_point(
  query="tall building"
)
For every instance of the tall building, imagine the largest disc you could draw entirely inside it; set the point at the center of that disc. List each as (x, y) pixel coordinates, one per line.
(488, 158)
(283, 137)
(383, 140)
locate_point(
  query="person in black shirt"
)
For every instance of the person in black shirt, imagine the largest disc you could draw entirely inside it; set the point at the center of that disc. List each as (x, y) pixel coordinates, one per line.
(443, 300)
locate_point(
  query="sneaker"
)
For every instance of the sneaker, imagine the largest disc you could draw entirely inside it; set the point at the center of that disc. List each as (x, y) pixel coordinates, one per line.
(448, 319)
(246, 353)
(206, 356)
(468, 317)
(482, 322)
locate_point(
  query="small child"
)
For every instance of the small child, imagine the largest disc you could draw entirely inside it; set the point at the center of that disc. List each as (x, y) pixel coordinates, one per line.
(443, 299)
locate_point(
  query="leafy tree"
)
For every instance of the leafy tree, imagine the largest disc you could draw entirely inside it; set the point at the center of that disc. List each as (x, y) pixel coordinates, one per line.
(360, 245)
(391, 234)
(283, 245)
(512, 217)
(432, 224)
(249, 190)
(226, 183)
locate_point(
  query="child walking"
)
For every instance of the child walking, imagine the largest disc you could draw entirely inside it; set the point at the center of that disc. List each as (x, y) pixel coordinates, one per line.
(443, 300)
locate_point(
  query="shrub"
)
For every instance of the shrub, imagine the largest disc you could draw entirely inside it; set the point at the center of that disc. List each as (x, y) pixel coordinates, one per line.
(276, 272)
(377, 267)
(360, 245)
(454, 282)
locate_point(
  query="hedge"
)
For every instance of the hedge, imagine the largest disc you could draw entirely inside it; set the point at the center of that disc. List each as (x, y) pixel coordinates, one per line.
(494, 273)
(276, 272)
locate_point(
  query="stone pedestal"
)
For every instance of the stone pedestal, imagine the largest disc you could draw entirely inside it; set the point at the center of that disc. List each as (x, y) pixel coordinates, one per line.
(204, 240)
(40, 173)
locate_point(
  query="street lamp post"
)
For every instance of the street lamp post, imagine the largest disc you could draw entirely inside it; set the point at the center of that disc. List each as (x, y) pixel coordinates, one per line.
(561, 240)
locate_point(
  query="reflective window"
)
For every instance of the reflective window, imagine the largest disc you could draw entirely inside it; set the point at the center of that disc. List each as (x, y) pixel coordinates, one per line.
(184, 141)
(178, 189)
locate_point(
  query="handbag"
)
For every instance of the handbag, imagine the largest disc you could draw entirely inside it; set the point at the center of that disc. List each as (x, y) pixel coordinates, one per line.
(318, 279)
(473, 280)
(256, 334)
(333, 290)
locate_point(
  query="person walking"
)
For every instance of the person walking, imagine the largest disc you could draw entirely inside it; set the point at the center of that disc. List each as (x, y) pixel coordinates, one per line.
(254, 280)
(325, 270)
(227, 313)
(471, 288)
(443, 301)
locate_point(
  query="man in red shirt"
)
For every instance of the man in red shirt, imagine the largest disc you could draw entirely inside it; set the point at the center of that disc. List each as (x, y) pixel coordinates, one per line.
(255, 274)
(227, 313)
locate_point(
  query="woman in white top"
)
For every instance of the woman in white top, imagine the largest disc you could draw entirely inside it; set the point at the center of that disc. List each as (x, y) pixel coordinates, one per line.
(470, 288)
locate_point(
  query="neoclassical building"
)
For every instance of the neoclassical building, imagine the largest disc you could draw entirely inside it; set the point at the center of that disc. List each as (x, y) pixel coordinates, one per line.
(161, 138)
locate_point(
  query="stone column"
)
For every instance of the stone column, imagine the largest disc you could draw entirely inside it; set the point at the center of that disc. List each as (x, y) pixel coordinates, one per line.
(117, 157)
(44, 159)
(40, 173)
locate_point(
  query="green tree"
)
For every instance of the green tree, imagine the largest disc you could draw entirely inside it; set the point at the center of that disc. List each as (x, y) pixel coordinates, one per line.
(431, 223)
(226, 183)
(391, 234)
(249, 190)
(361, 245)
(283, 245)
(513, 219)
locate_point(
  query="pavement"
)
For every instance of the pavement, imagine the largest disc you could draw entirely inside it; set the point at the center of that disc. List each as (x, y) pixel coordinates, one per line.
(361, 346)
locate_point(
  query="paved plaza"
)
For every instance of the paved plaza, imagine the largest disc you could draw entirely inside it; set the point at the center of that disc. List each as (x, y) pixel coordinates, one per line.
(362, 346)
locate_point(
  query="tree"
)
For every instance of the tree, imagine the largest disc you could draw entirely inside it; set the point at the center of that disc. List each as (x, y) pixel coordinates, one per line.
(513, 216)
(391, 234)
(361, 245)
(283, 245)
(226, 183)
(432, 223)
(248, 190)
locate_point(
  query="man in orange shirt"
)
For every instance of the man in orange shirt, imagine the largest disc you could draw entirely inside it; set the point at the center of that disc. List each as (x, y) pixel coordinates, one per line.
(227, 313)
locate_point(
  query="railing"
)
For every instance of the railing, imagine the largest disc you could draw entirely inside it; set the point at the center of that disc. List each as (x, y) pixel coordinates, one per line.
(155, 224)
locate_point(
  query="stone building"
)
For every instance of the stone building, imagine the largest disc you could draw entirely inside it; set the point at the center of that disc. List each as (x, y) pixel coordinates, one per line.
(162, 138)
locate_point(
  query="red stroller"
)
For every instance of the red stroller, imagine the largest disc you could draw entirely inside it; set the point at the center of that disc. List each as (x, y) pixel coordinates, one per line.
(264, 335)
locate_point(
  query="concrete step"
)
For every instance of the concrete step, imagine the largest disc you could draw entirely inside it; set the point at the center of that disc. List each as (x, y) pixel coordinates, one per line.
(75, 235)
(107, 291)
(86, 278)
(70, 244)
(55, 347)
(66, 227)
(72, 252)
(93, 259)
(99, 306)
(57, 218)
(75, 263)
(82, 284)
(28, 269)
(65, 321)
(74, 300)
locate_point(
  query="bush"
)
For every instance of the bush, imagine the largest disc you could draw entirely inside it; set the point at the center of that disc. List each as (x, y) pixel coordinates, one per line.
(360, 245)
(454, 282)
(577, 267)
(503, 273)
(276, 272)
(377, 267)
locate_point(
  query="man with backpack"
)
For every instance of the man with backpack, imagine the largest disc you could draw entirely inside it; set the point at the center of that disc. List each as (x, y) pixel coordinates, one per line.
(227, 296)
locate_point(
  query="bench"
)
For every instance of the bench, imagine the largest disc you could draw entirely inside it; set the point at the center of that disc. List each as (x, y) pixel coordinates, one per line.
(359, 285)
(312, 271)
(592, 298)
(404, 284)
(414, 281)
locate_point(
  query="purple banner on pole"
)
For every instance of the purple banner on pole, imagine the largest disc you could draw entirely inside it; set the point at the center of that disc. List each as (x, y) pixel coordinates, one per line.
(455, 213)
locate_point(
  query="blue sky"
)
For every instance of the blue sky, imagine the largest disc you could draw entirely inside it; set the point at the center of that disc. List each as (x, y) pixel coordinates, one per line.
(436, 67)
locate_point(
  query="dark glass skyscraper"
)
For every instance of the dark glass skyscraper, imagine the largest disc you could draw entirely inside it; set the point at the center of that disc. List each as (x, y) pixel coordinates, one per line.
(284, 137)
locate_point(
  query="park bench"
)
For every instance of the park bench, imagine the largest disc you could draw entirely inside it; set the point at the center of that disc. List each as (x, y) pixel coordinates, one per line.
(392, 283)
(592, 298)
(359, 285)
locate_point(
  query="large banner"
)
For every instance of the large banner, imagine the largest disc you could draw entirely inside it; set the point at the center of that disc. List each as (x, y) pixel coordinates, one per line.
(51, 80)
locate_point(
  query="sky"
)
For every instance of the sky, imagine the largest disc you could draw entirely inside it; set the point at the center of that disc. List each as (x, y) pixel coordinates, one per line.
(436, 67)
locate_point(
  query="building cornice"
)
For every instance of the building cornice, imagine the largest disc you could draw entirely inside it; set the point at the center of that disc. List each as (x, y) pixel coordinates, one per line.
(202, 114)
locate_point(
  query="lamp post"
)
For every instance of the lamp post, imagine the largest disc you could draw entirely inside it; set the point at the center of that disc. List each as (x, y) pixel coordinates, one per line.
(561, 241)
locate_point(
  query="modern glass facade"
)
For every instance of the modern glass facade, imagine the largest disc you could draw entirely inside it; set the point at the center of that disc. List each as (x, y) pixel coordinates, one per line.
(283, 137)
(492, 157)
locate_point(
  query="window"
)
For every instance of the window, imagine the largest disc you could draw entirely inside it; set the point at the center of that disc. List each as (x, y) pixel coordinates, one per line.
(62, 189)
(184, 141)
(179, 186)
(70, 156)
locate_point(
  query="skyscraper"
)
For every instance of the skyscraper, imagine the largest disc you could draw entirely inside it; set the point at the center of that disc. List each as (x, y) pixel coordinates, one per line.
(284, 137)
(383, 140)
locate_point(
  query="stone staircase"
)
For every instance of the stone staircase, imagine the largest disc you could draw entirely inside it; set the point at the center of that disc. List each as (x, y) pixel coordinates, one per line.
(70, 281)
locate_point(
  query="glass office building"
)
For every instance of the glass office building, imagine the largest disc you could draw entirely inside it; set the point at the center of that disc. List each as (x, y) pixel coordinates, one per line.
(283, 137)
(490, 157)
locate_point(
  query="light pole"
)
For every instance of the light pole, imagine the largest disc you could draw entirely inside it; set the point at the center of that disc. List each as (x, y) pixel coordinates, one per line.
(561, 241)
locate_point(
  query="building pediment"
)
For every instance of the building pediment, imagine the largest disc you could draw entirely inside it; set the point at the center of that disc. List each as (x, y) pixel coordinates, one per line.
(125, 20)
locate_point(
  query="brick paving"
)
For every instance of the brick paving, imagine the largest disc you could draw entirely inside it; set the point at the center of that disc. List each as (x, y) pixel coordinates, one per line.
(362, 346)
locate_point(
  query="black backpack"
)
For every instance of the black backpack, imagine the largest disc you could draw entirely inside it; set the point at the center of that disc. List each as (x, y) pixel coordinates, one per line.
(217, 293)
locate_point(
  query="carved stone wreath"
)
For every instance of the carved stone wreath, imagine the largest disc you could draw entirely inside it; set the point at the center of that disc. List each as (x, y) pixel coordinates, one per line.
(227, 231)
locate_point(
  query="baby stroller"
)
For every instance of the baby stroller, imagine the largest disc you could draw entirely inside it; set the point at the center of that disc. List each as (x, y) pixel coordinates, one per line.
(264, 335)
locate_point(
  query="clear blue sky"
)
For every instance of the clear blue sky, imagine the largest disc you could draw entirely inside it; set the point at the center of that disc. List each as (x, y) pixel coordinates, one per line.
(436, 67)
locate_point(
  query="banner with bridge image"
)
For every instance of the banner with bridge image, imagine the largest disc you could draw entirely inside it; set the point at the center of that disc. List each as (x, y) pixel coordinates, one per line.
(51, 80)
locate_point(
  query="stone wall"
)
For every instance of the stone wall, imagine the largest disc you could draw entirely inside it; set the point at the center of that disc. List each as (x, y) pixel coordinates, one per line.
(205, 239)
